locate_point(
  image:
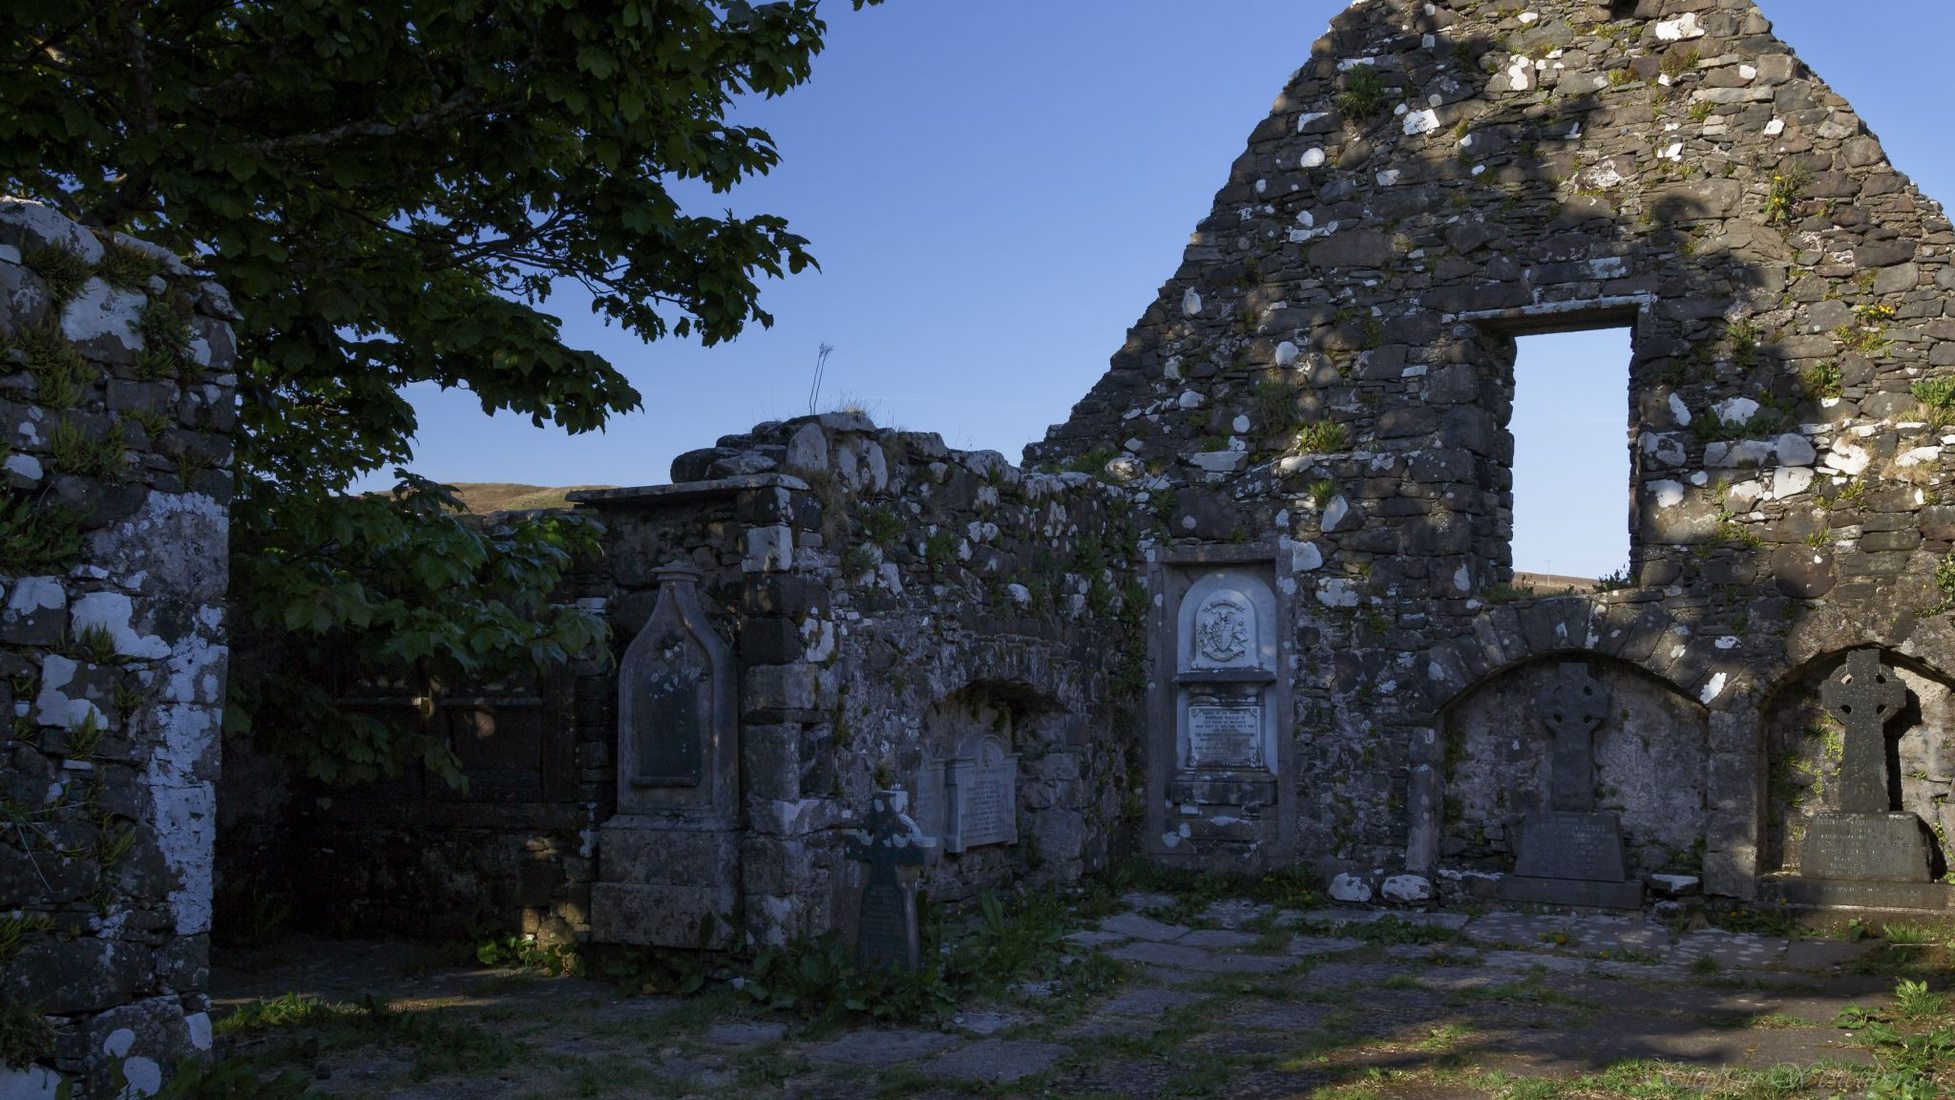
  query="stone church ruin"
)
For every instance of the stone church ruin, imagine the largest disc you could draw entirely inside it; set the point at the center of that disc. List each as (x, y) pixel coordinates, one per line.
(1252, 604)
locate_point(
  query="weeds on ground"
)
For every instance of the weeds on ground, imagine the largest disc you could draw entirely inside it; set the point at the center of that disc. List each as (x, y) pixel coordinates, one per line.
(1004, 946)
(299, 1028)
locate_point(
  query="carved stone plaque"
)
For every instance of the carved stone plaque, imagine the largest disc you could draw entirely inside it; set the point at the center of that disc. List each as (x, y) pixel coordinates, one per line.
(1866, 848)
(678, 750)
(981, 791)
(1225, 630)
(1571, 845)
(1225, 729)
(667, 724)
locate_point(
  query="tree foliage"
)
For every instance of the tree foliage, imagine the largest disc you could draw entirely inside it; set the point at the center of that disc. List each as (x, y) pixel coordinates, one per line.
(388, 191)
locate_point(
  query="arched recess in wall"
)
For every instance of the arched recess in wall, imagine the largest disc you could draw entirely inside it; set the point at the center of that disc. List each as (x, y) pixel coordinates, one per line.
(1650, 762)
(1803, 746)
(987, 774)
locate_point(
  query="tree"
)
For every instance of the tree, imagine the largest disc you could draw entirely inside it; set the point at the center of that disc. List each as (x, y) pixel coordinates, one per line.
(388, 191)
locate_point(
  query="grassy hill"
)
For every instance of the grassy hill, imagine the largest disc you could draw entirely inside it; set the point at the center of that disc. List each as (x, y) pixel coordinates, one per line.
(483, 497)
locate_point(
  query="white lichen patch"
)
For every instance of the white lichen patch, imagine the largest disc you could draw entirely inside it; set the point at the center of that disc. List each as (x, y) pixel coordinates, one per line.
(1419, 122)
(111, 612)
(1682, 27)
(54, 706)
(99, 309)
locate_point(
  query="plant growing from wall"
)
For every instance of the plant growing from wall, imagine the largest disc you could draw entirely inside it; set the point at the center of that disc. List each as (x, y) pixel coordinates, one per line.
(1782, 197)
(72, 450)
(1822, 381)
(1363, 94)
(25, 1035)
(1322, 437)
(37, 535)
(1937, 397)
(127, 266)
(388, 194)
(62, 269)
(60, 374)
(165, 330)
(1867, 333)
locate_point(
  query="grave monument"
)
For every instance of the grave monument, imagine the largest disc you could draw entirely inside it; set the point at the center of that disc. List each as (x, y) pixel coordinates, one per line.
(1865, 853)
(1571, 853)
(669, 859)
(892, 844)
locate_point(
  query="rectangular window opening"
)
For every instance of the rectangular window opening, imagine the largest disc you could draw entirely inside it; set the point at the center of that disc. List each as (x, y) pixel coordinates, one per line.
(1572, 496)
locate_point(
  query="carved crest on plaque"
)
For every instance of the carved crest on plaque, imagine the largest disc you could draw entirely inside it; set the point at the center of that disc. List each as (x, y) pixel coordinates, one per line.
(1225, 628)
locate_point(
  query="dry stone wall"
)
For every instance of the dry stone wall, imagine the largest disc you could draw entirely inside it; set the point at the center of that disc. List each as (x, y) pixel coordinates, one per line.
(116, 405)
(1329, 375)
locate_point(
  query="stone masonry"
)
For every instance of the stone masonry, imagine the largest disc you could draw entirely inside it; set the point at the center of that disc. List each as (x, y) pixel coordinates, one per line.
(117, 409)
(1304, 440)
(1329, 374)
(884, 593)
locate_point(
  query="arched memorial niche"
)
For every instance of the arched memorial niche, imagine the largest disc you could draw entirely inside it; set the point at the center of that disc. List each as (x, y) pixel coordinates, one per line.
(971, 796)
(1648, 754)
(1805, 747)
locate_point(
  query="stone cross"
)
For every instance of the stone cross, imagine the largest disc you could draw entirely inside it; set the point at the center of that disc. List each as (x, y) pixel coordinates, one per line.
(1863, 696)
(1573, 710)
(887, 937)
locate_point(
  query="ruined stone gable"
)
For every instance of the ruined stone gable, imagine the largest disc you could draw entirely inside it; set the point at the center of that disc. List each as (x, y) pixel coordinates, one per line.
(1328, 376)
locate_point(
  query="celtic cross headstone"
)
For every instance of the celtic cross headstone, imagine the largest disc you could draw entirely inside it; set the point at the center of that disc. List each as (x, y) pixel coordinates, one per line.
(1571, 853)
(1862, 696)
(1865, 842)
(891, 843)
(1572, 713)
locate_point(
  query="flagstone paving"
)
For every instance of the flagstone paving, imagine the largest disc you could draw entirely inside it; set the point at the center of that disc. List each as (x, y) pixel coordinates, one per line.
(1238, 1000)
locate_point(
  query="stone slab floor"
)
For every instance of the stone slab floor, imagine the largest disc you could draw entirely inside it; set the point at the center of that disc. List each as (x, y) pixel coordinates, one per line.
(1235, 1000)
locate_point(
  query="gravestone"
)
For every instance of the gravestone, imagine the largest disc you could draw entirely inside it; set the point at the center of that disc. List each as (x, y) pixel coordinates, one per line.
(1571, 853)
(887, 937)
(668, 860)
(1864, 853)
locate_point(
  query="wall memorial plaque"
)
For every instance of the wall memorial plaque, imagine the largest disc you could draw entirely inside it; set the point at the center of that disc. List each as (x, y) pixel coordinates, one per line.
(676, 720)
(1225, 674)
(1866, 847)
(1225, 728)
(668, 862)
(666, 728)
(981, 794)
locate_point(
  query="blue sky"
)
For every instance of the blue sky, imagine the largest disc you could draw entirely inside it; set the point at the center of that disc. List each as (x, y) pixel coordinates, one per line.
(997, 188)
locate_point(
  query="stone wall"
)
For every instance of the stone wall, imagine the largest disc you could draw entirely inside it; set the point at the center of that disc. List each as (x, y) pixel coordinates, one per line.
(1650, 767)
(885, 597)
(1329, 376)
(117, 408)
